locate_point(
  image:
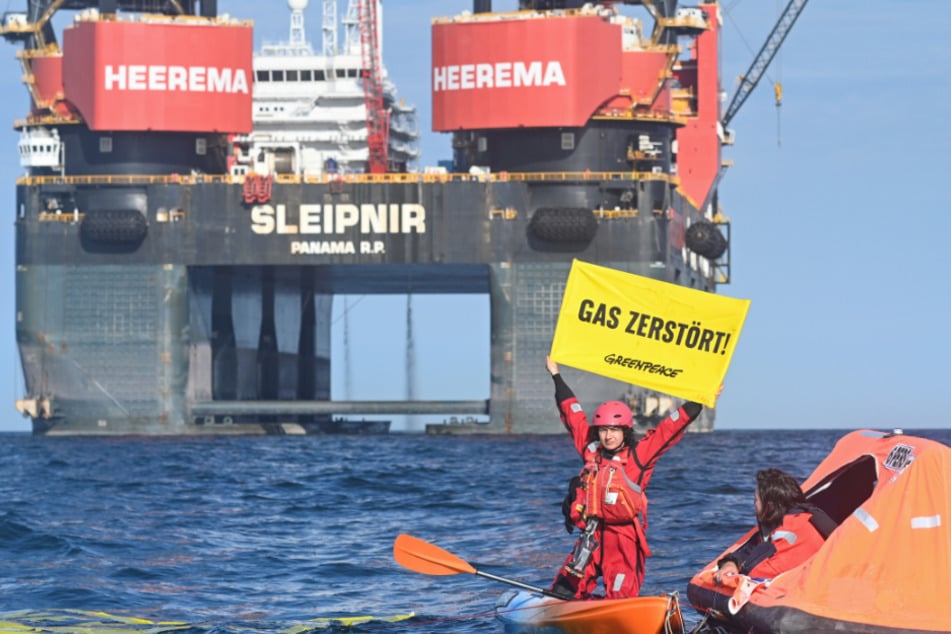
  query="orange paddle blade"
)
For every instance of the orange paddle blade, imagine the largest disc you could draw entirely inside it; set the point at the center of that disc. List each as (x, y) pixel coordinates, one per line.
(429, 559)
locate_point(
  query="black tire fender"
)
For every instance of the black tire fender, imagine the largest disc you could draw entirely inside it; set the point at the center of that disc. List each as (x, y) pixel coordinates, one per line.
(704, 238)
(115, 226)
(563, 224)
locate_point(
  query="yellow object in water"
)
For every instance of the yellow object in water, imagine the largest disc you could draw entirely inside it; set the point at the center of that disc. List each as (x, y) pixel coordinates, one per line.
(347, 621)
(72, 621)
(94, 622)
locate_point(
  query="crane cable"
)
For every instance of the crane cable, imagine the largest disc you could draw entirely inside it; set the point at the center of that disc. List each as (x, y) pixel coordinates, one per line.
(778, 86)
(758, 69)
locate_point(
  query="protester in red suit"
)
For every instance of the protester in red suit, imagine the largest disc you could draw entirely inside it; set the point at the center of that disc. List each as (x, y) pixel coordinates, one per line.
(790, 530)
(607, 500)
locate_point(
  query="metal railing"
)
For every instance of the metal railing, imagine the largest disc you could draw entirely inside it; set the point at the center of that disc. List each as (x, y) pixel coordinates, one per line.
(294, 179)
(302, 408)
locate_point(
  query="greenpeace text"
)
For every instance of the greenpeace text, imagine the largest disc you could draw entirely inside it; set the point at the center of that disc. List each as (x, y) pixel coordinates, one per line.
(642, 366)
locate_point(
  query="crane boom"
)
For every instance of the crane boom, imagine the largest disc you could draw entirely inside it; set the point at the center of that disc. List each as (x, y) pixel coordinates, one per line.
(377, 120)
(764, 57)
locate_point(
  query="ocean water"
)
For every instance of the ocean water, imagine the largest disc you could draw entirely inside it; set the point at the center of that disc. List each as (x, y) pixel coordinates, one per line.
(221, 535)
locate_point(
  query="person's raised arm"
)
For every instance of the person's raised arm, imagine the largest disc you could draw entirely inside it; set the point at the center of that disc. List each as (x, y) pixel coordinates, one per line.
(562, 391)
(572, 416)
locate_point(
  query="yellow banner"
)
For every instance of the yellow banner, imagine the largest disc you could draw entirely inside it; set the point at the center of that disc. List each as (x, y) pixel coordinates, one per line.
(661, 336)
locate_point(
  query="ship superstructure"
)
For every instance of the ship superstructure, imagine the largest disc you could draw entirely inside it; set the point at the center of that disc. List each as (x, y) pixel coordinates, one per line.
(187, 215)
(310, 110)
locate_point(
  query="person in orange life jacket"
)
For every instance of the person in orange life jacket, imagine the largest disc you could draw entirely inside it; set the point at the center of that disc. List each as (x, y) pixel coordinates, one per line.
(790, 530)
(607, 500)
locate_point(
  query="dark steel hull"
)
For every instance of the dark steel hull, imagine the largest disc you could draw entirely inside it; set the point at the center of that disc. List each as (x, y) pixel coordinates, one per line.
(170, 305)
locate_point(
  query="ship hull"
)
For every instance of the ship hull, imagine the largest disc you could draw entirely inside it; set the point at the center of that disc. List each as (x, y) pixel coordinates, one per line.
(174, 305)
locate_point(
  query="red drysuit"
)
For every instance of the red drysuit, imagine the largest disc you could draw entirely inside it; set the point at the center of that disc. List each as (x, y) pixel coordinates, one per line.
(612, 491)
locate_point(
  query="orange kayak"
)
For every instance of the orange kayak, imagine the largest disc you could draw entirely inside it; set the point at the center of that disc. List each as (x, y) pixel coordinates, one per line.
(524, 610)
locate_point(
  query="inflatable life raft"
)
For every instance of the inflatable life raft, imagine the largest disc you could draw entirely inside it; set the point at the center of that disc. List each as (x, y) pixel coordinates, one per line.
(885, 569)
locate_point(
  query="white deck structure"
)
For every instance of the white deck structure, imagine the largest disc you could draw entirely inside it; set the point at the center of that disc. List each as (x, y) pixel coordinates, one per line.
(309, 110)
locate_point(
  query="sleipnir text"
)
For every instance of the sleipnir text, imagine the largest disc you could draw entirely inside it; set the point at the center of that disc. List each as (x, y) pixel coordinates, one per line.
(339, 219)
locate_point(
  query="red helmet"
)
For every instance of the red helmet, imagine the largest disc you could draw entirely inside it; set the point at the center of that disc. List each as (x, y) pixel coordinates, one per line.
(613, 414)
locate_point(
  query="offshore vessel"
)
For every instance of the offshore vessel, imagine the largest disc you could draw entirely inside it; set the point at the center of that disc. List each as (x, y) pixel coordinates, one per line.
(190, 208)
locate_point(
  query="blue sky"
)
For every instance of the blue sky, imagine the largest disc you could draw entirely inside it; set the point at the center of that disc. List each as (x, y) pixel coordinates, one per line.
(836, 204)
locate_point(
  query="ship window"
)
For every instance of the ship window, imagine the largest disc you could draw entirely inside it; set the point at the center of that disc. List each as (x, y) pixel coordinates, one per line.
(277, 75)
(105, 144)
(201, 147)
(319, 75)
(292, 75)
(262, 75)
(341, 73)
(352, 72)
(306, 75)
(567, 140)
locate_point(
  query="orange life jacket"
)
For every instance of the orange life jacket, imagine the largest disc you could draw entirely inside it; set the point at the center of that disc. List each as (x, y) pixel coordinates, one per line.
(802, 532)
(607, 492)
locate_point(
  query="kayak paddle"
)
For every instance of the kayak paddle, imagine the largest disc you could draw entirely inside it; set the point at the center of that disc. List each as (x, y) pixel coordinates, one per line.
(421, 556)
